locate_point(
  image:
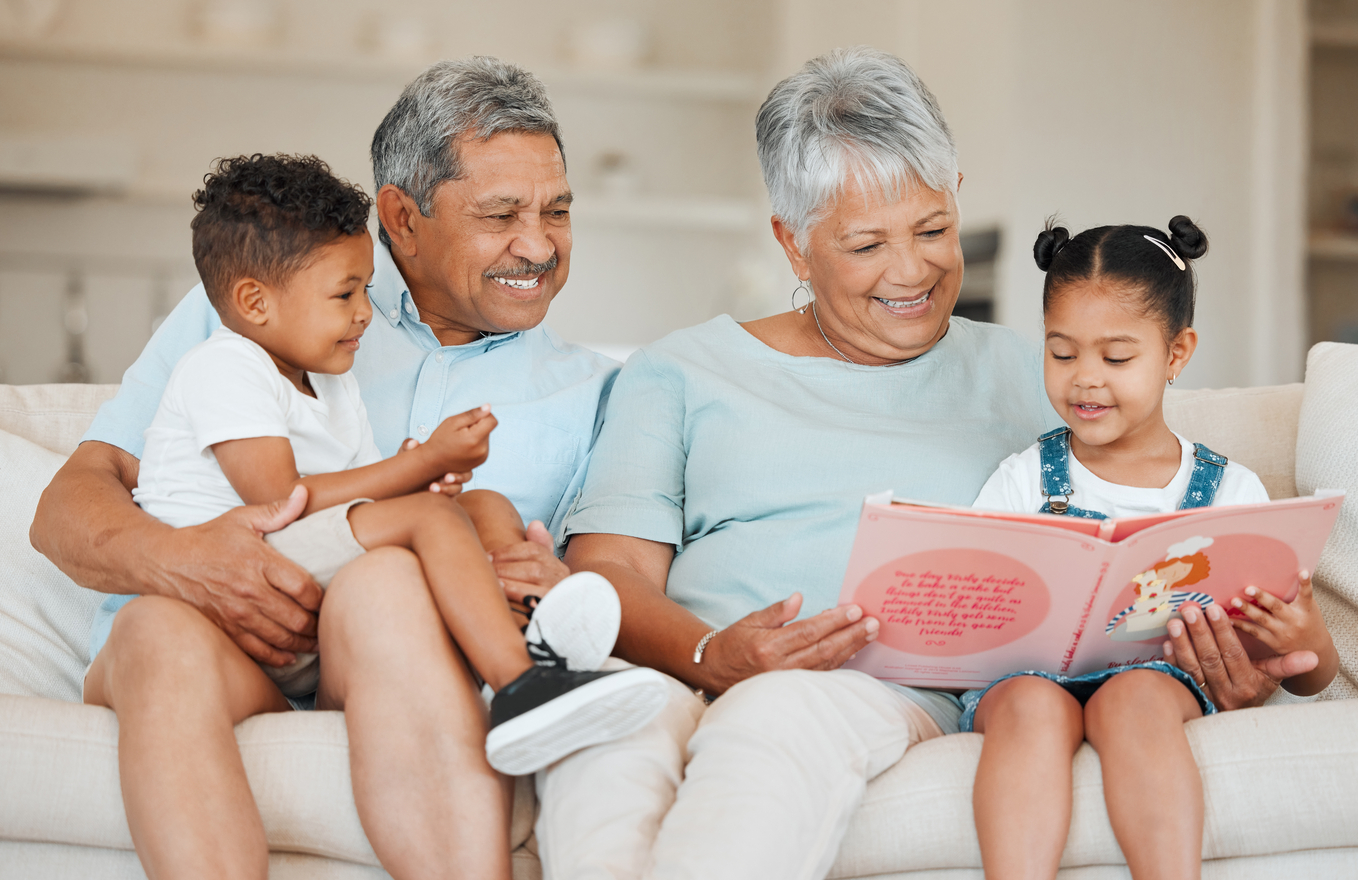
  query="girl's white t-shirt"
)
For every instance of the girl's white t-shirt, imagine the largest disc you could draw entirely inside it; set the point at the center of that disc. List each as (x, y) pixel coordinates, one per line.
(228, 388)
(1016, 486)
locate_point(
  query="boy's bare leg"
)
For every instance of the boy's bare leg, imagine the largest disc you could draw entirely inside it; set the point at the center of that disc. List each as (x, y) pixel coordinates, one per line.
(430, 804)
(1150, 780)
(180, 686)
(460, 576)
(497, 522)
(1022, 796)
(498, 525)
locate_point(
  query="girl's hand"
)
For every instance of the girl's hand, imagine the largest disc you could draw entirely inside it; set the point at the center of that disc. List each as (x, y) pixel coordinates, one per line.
(1283, 626)
(1288, 627)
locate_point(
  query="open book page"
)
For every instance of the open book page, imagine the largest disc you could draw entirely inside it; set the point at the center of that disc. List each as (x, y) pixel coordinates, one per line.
(963, 598)
(1208, 556)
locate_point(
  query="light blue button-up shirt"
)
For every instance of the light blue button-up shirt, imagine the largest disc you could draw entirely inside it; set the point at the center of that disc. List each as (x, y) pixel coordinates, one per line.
(548, 395)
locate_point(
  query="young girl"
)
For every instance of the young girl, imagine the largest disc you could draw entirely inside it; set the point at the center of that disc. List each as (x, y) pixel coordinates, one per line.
(1118, 308)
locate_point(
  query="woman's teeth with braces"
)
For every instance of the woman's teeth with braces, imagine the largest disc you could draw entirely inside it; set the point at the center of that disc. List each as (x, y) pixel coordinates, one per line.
(903, 303)
(517, 284)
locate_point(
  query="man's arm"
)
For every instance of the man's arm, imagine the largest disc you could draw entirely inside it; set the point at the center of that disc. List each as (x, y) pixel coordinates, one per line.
(88, 525)
(657, 632)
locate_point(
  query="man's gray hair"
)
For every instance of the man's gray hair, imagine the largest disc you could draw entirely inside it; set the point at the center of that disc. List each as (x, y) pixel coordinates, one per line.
(854, 111)
(415, 147)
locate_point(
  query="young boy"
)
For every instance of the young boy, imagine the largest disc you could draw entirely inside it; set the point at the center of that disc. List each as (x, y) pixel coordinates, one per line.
(267, 404)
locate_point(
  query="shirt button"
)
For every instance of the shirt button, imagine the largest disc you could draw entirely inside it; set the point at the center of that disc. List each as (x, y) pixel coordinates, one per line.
(439, 357)
(394, 314)
(423, 429)
(410, 308)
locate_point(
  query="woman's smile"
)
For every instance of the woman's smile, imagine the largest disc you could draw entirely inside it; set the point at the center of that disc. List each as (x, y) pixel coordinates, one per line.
(907, 307)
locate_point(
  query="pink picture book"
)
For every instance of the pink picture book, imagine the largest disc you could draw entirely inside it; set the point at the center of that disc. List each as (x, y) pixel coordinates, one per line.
(965, 596)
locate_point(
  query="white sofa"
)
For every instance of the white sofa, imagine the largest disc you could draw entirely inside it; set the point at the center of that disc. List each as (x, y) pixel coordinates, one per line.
(1281, 783)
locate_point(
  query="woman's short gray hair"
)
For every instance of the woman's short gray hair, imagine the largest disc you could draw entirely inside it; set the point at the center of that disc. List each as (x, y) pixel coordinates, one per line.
(854, 111)
(415, 147)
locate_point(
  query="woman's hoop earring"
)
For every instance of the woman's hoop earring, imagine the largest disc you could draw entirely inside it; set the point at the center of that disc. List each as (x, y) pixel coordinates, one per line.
(801, 285)
(1171, 380)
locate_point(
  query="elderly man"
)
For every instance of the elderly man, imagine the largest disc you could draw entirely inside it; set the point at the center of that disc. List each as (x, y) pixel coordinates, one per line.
(475, 243)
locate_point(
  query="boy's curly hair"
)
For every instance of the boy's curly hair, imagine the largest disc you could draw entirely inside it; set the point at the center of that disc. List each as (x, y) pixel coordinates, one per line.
(263, 217)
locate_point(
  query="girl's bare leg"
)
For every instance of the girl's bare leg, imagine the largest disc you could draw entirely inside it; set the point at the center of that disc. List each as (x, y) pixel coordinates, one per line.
(460, 577)
(180, 686)
(430, 804)
(1022, 795)
(1150, 780)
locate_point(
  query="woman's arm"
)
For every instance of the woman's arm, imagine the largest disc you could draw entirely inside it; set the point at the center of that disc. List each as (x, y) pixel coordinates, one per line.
(263, 469)
(657, 632)
(88, 525)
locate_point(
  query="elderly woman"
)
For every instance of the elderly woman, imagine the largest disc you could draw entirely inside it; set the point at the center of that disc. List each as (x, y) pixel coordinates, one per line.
(723, 494)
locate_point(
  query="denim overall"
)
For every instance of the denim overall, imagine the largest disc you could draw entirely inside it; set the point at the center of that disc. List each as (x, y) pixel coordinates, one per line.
(1054, 449)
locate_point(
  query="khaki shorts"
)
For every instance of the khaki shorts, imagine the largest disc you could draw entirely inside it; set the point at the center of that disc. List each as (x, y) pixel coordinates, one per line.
(322, 543)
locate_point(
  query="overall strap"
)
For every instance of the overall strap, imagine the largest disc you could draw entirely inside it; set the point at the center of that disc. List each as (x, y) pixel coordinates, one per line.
(1054, 453)
(1053, 449)
(1208, 468)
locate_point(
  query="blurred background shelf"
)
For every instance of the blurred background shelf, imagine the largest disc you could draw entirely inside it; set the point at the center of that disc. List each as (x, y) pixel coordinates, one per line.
(702, 85)
(1336, 246)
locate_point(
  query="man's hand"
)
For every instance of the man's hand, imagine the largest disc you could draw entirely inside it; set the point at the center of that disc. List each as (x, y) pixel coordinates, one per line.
(767, 640)
(264, 602)
(1204, 645)
(529, 568)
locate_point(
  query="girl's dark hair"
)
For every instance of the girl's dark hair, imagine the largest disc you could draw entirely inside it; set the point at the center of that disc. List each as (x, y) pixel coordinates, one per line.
(1122, 255)
(263, 216)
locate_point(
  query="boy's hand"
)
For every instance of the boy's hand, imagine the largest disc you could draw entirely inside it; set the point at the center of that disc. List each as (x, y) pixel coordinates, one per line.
(1283, 626)
(462, 442)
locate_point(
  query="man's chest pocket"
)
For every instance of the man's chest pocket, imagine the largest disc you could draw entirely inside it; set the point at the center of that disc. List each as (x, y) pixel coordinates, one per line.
(531, 464)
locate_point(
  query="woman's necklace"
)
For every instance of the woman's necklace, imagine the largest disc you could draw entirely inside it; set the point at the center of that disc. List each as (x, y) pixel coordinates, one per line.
(816, 318)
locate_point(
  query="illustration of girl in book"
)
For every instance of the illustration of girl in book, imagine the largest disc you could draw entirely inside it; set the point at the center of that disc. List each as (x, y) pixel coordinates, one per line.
(1157, 600)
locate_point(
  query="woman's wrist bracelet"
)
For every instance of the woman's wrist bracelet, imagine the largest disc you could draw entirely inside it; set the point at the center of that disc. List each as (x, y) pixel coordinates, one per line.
(702, 646)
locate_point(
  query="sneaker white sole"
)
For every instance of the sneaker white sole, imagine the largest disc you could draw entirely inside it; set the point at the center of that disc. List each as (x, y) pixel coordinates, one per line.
(601, 711)
(579, 619)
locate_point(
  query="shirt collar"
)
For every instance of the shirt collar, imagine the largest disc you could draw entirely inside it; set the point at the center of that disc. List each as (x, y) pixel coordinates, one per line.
(390, 297)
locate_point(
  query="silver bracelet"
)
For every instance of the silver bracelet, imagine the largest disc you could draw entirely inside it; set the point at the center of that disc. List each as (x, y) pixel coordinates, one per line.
(702, 646)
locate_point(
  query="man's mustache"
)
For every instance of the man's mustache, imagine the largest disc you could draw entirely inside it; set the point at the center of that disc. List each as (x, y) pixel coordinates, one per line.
(522, 269)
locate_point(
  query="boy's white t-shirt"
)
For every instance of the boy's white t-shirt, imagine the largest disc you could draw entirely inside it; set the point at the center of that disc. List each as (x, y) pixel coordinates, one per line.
(1016, 486)
(228, 388)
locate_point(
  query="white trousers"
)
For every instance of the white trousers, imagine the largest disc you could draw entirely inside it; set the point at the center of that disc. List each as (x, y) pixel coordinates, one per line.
(761, 784)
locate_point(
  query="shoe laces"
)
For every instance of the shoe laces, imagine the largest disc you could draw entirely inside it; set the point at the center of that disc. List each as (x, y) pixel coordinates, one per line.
(542, 654)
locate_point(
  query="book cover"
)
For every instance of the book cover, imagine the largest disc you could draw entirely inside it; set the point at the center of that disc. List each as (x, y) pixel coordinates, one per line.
(965, 596)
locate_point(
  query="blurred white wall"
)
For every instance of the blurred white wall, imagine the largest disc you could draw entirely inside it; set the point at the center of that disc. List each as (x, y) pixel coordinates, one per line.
(1120, 111)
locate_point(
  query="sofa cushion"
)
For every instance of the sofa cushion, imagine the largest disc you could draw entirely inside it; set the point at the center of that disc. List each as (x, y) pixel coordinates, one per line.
(52, 416)
(60, 783)
(44, 617)
(1254, 426)
(1275, 780)
(1326, 459)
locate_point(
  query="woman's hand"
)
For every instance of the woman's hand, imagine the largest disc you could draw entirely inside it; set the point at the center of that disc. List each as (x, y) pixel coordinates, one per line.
(1204, 645)
(766, 640)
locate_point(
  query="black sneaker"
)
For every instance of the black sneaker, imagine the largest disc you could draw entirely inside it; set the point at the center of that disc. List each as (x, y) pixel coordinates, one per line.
(549, 712)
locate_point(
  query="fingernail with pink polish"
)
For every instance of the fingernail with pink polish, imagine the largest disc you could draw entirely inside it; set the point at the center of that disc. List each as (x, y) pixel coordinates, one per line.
(1176, 628)
(873, 626)
(1236, 603)
(1213, 612)
(854, 613)
(1191, 615)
